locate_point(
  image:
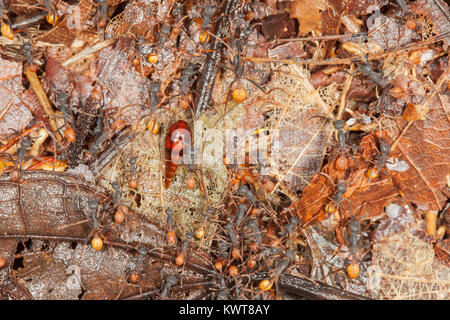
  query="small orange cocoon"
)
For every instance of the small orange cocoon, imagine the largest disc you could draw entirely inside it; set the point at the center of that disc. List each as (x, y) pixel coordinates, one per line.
(135, 62)
(269, 185)
(218, 265)
(372, 173)
(235, 253)
(153, 126)
(171, 237)
(352, 270)
(233, 271)
(411, 24)
(51, 18)
(102, 23)
(134, 277)
(396, 92)
(330, 208)
(2, 262)
(179, 260)
(132, 184)
(265, 285)
(119, 216)
(200, 233)
(251, 263)
(97, 243)
(69, 133)
(239, 95)
(203, 37)
(190, 182)
(152, 58)
(6, 31)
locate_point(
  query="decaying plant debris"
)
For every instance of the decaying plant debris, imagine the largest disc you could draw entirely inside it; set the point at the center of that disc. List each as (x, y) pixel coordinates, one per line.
(349, 98)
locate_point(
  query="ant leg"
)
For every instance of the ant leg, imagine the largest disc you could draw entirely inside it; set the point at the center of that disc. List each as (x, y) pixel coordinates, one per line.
(256, 85)
(354, 160)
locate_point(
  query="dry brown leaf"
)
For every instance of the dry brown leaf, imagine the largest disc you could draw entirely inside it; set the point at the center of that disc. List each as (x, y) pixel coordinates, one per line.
(14, 116)
(425, 147)
(436, 13)
(71, 26)
(308, 15)
(357, 7)
(362, 199)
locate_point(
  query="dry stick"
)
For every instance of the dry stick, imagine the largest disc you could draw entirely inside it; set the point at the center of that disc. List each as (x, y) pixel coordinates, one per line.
(186, 286)
(88, 51)
(343, 98)
(6, 109)
(310, 289)
(440, 81)
(43, 99)
(350, 60)
(345, 36)
(15, 139)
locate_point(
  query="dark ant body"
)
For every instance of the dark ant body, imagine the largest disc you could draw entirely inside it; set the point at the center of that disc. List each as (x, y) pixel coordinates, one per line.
(68, 118)
(290, 227)
(134, 276)
(208, 12)
(62, 102)
(403, 6)
(98, 129)
(165, 30)
(240, 214)
(257, 235)
(117, 192)
(268, 252)
(342, 137)
(187, 78)
(96, 145)
(341, 188)
(170, 282)
(26, 143)
(245, 190)
(155, 87)
(210, 67)
(367, 70)
(28, 49)
(169, 220)
(132, 181)
(223, 294)
(102, 8)
(231, 233)
(178, 11)
(15, 174)
(354, 237)
(284, 263)
(186, 243)
(142, 252)
(51, 13)
(385, 149)
(93, 208)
